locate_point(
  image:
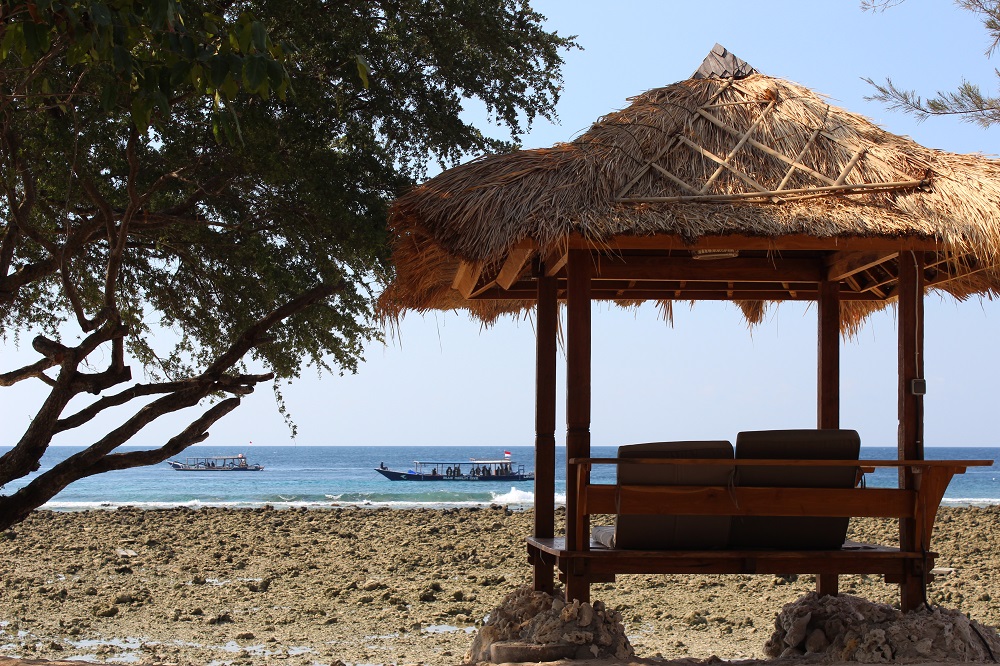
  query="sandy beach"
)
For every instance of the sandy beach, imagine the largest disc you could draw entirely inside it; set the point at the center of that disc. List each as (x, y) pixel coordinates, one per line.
(246, 586)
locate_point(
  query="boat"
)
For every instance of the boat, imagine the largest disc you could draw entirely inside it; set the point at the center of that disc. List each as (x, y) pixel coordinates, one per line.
(237, 463)
(473, 469)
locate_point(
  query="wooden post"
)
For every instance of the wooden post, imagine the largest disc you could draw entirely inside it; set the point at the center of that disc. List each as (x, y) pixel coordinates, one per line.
(578, 330)
(910, 444)
(828, 389)
(547, 321)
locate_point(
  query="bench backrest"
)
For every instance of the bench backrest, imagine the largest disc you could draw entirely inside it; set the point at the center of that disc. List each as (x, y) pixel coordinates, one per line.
(670, 532)
(794, 533)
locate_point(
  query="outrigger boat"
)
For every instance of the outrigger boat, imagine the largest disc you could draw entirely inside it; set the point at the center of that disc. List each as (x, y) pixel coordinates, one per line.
(469, 470)
(237, 463)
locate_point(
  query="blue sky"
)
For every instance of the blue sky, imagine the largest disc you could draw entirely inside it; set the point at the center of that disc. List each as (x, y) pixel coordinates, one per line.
(447, 381)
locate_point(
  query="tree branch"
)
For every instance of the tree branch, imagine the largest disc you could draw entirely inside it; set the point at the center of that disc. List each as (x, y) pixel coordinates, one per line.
(36, 369)
(16, 507)
(242, 385)
(256, 334)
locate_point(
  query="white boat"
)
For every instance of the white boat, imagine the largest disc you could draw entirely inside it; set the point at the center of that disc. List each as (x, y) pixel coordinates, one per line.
(237, 463)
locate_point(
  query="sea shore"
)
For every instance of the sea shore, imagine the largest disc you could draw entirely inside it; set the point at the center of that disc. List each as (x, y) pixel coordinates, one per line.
(380, 586)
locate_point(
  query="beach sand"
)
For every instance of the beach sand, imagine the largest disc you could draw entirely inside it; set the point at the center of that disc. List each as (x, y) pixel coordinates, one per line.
(379, 586)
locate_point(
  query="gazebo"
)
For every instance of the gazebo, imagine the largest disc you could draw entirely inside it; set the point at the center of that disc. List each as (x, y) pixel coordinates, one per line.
(730, 185)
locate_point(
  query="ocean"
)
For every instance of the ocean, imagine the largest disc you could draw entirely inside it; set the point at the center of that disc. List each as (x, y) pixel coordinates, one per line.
(342, 476)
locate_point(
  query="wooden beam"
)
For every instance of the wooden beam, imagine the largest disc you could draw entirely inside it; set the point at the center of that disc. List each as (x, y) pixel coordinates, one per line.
(741, 242)
(525, 291)
(828, 389)
(828, 356)
(750, 501)
(843, 264)
(466, 278)
(516, 260)
(546, 323)
(910, 327)
(556, 261)
(762, 269)
(578, 365)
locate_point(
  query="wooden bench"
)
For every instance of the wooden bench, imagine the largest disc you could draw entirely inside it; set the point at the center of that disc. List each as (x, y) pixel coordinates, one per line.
(581, 562)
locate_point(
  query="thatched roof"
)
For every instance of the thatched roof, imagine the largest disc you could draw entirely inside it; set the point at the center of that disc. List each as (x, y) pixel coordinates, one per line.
(757, 166)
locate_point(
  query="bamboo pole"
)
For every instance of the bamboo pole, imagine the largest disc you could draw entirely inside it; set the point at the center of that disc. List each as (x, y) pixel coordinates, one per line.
(737, 147)
(775, 194)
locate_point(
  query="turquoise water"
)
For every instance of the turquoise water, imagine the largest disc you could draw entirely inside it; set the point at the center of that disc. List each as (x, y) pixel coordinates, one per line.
(327, 476)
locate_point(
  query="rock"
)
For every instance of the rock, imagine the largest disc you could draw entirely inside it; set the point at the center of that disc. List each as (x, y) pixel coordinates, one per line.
(816, 641)
(526, 617)
(578, 637)
(695, 618)
(848, 628)
(796, 632)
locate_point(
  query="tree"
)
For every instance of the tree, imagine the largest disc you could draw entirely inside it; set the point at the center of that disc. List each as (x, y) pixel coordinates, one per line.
(967, 101)
(218, 173)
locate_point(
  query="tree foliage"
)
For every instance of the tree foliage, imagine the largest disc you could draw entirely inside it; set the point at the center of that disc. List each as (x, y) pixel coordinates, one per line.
(198, 187)
(968, 100)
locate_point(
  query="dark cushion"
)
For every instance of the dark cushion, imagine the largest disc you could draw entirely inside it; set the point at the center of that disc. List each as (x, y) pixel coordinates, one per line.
(794, 533)
(671, 532)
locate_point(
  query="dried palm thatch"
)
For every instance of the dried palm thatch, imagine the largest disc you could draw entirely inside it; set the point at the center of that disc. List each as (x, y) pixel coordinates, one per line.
(750, 158)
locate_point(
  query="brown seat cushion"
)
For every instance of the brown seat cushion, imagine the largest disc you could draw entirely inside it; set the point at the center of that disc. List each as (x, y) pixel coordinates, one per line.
(794, 533)
(671, 532)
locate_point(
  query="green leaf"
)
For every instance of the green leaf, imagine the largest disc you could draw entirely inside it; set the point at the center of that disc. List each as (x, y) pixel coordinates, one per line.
(109, 95)
(275, 73)
(197, 77)
(259, 36)
(255, 73)
(14, 34)
(364, 70)
(32, 38)
(245, 37)
(180, 72)
(100, 14)
(218, 70)
(162, 103)
(141, 112)
(230, 89)
(188, 47)
(122, 60)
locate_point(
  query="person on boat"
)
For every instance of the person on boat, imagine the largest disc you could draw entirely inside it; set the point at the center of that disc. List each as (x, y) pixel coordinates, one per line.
(434, 472)
(458, 471)
(448, 472)
(381, 465)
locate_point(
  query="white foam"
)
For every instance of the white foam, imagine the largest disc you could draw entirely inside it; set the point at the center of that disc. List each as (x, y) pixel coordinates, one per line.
(514, 496)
